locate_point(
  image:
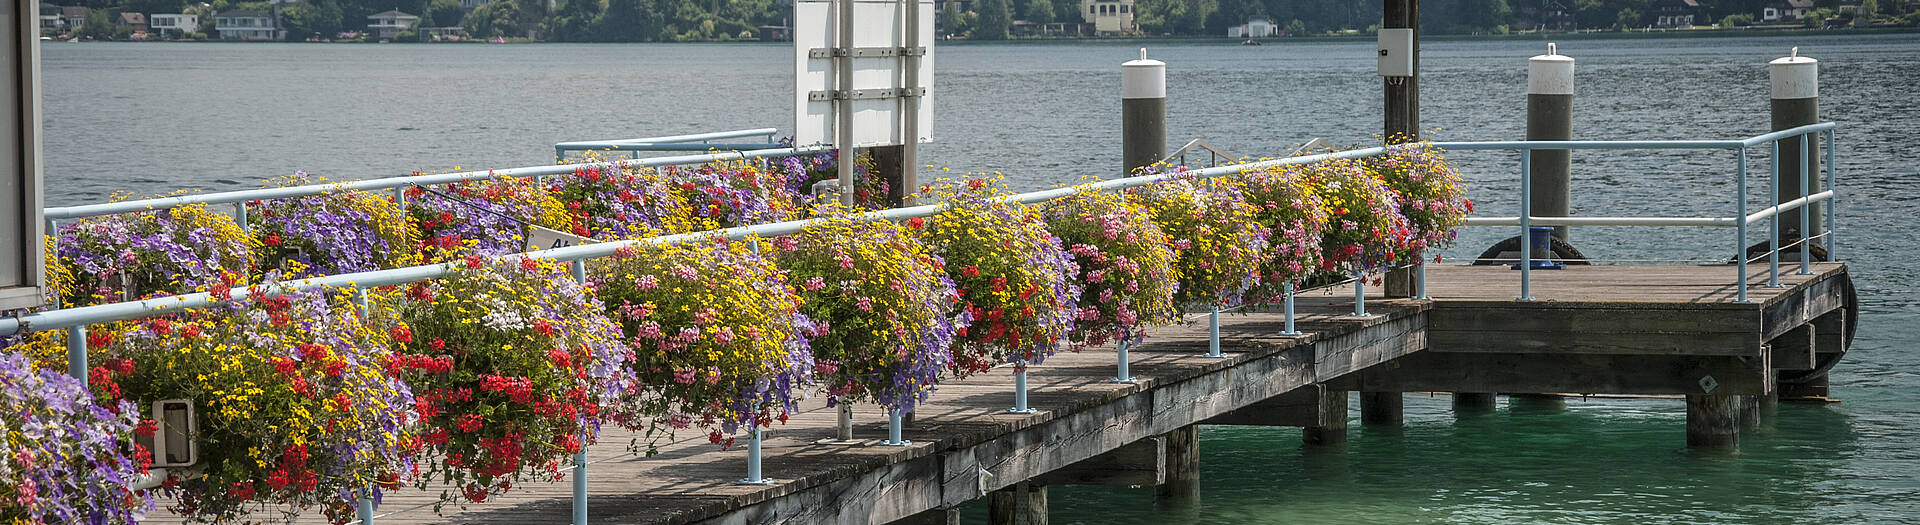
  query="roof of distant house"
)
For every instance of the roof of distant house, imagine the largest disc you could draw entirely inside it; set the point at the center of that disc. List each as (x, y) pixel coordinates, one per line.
(240, 14)
(73, 11)
(391, 13)
(133, 18)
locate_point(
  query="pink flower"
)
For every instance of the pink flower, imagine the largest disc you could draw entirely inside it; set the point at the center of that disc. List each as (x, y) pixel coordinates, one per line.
(648, 282)
(815, 283)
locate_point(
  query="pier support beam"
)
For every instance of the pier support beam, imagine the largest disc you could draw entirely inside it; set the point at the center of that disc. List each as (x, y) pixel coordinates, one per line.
(1024, 503)
(1331, 428)
(1465, 403)
(1139, 464)
(1381, 408)
(1182, 485)
(1713, 421)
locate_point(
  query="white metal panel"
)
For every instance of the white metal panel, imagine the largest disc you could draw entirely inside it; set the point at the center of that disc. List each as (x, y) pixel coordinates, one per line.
(876, 25)
(1396, 52)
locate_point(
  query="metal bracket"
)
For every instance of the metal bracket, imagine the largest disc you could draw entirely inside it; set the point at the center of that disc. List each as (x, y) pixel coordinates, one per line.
(866, 52)
(865, 94)
(1708, 383)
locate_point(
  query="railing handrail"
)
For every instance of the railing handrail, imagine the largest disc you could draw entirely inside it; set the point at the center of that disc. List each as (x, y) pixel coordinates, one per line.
(85, 315)
(111, 208)
(70, 317)
(694, 137)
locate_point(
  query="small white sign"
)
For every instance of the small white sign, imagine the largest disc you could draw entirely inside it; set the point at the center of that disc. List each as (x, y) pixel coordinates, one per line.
(877, 108)
(546, 238)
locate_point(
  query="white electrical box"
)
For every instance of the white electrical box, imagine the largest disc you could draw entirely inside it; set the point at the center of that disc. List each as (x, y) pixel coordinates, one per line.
(1396, 52)
(176, 434)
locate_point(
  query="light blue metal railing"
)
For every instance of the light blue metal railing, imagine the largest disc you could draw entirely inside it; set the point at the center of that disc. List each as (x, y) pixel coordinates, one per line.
(75, 320)
(694, 142)
(1740, 221)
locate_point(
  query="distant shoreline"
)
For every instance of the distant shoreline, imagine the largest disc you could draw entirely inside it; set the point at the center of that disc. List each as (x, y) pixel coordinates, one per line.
(1192, 39)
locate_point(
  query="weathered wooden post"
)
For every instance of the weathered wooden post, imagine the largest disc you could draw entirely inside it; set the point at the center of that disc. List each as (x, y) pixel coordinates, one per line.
(1713, 421)
(1399, 69)
(1182, 485)
(1796, 102)
(1398, 66)
(1550, 117)
(1024, 503)
(1536, 402)
(1465, 403)
(1143, 112)
(1331, 427)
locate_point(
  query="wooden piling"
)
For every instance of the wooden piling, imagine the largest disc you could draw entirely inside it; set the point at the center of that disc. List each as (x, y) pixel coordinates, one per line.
(1381, 408)
(1713, 421)
(1024, 503)
(1143, 112)
(1402, 116)
(1182, 485)
(1536, 402)
(932, 517)
(1795, 102)
(1331, 429)
(1465, 403)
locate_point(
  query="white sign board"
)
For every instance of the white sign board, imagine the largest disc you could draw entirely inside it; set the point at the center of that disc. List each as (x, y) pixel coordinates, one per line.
(546, 239)
(876, 116)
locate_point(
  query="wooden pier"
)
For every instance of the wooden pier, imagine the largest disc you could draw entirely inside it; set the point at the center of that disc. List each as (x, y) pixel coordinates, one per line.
(1592, 329)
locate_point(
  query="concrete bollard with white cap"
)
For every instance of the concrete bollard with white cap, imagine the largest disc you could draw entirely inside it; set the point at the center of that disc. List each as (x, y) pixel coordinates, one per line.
(1550, 117)
(1796, 102)
(1143, 112)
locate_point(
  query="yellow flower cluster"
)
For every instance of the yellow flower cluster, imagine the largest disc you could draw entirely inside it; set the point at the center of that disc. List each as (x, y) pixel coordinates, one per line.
(1218, 243)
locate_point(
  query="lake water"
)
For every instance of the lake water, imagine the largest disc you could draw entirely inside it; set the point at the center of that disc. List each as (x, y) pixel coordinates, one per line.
(151, 118)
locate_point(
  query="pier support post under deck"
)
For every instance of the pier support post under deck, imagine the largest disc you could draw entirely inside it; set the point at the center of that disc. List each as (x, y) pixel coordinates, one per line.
(1713, 421)
(1024, 503)
(1332, 427)
(1381, 408)
(1536, 402)
(1182, 486)
(1473, 402)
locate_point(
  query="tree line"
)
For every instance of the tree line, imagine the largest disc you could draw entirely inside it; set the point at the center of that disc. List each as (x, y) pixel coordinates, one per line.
(710, 20)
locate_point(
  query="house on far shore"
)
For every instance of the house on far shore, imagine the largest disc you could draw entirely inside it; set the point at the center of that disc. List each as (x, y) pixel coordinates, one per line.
(245, 25)
(174, 25)
(1255, 28)
(135, 21)
(73, 15)
(50, 21)
(387, 25)
(1785, 11)
(1676, 13)
(1109, 16)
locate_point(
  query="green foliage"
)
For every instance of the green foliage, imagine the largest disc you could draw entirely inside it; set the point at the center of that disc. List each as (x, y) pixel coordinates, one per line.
(97, 26)
(496, 19)
(996, 19)
(445, 13)
(1739, 20)
(311, 18)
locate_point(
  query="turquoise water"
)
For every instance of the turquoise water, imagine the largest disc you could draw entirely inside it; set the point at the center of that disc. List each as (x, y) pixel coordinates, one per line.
(155, 117)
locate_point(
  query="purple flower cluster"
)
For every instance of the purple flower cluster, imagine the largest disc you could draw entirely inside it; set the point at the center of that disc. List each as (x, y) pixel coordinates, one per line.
(332, 233)
(725, 196)
(139, 254)
(484, 217)
(63, 461)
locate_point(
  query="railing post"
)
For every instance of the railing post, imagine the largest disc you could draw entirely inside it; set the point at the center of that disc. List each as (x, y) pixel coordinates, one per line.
(579, 269)
(1121, 375)
(363, 502)
(1806, 210)
(1360, 292)
(1832, 171)
(1740, 239)
(240, 214)
(754, 473)
(894, 422)
(1020, 387)
(1420, 280)
(1773, 224)
(1288, 309)
(77, 353)
(1213, 333)
(1526, 225)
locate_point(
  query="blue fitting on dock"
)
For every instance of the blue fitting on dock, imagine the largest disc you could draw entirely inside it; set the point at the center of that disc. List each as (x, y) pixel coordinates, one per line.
(1540, 246)
(1121, 375)
(894, 422)
(1020, 388)
(754, 454)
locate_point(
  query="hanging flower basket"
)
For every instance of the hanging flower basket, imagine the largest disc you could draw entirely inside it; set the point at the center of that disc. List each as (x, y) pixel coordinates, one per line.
(1014, 278)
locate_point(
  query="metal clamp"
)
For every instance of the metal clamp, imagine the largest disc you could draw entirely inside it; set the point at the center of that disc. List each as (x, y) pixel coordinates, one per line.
(865, 94)
(866, 52)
